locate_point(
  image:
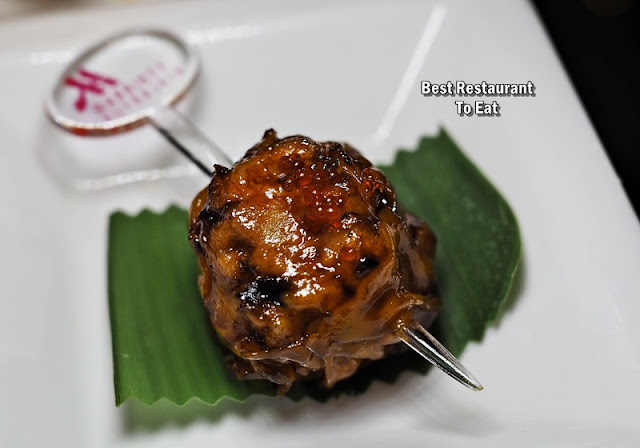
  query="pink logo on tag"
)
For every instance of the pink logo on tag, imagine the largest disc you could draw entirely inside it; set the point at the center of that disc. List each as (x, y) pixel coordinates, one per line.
(88, 82)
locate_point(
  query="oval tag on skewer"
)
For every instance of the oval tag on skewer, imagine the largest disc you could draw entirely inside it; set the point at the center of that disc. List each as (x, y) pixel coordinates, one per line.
(118, 83)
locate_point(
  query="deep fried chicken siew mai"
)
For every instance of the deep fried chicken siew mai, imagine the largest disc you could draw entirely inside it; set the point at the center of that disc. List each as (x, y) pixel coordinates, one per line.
(309, 267)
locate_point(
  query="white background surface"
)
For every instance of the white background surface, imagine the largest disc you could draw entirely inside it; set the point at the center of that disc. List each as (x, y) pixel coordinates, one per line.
(560, 369)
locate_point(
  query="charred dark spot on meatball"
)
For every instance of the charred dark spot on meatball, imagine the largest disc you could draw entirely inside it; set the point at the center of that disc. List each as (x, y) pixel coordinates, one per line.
(210, 217)
(265, 290)
(199, 233)
(220, 170)
(376, 186)
(365, 265)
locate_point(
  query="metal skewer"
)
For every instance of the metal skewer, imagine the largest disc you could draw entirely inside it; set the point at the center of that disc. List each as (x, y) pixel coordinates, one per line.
(423, 343)
(103, 74)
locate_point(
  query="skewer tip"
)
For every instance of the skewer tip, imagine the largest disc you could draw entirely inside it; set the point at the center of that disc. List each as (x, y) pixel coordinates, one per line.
(422, 342)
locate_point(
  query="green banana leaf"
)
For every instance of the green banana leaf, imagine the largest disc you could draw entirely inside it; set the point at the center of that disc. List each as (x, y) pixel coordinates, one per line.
(163, 343)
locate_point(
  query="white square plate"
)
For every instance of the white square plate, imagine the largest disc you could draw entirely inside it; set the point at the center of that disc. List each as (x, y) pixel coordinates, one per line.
(560, 369)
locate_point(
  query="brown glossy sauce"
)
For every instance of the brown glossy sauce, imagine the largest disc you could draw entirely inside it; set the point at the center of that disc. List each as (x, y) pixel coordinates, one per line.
(308, 266)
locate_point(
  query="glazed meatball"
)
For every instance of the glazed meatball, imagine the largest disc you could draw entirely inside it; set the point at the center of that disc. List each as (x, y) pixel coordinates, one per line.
(308, 265)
